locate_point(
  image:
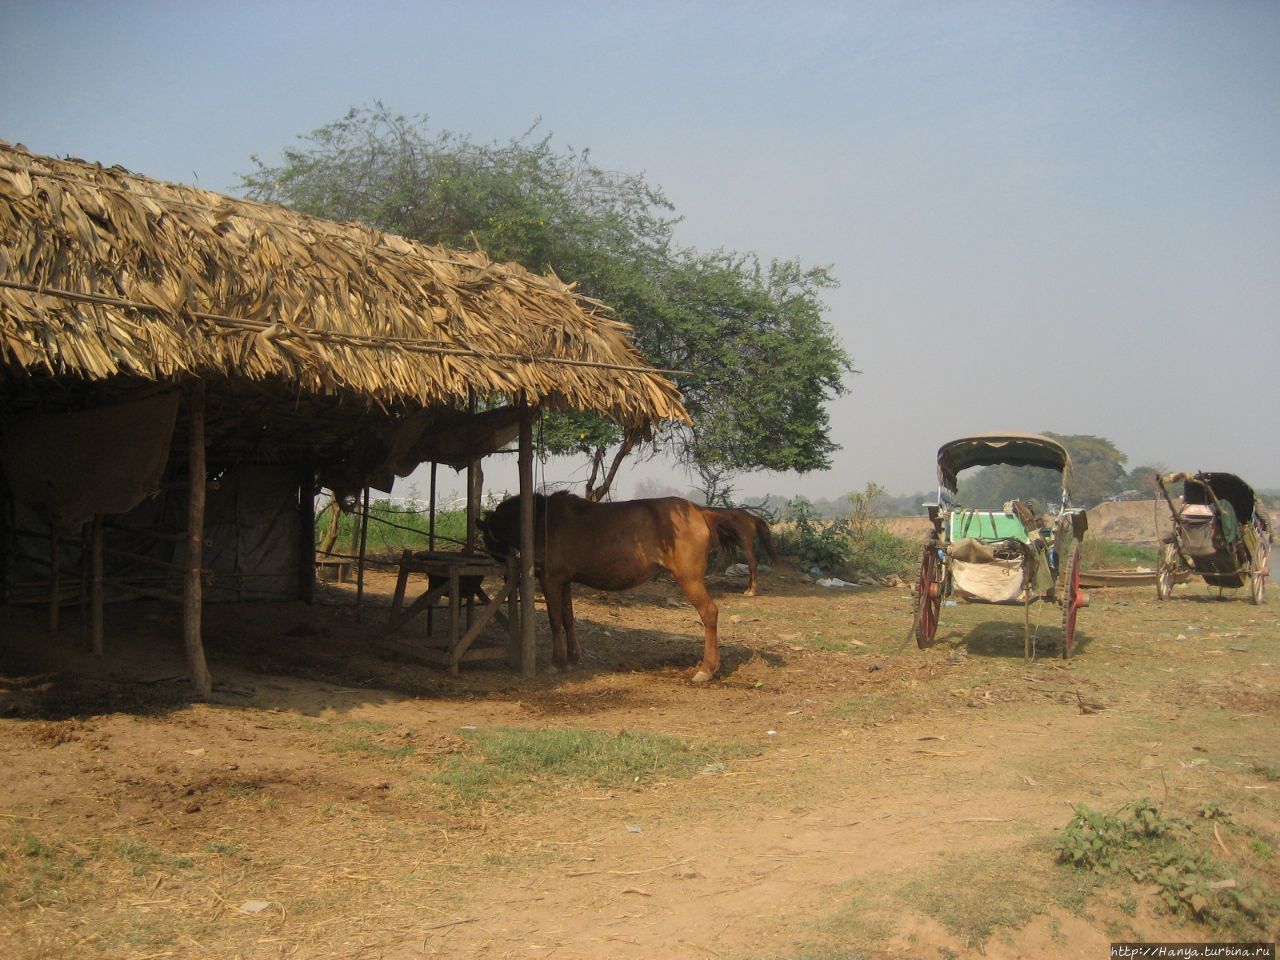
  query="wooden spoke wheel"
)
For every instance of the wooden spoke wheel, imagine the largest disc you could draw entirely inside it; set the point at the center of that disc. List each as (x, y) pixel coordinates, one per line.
(928, 599)
(1258, 575)
(1166, 567)
(1072, 598)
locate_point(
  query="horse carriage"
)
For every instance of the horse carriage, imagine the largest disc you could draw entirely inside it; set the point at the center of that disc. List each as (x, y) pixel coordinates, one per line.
(1007, 556)
(1219, 532)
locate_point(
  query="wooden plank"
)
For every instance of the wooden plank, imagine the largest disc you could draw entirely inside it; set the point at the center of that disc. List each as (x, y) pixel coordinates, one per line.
(402, 581)
(411, 611)
(489, 610)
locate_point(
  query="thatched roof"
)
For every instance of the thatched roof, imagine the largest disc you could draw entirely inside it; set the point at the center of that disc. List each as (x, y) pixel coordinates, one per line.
(106, 273)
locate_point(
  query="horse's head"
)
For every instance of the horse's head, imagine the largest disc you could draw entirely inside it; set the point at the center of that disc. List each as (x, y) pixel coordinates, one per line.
(500, 527)
(500, 536)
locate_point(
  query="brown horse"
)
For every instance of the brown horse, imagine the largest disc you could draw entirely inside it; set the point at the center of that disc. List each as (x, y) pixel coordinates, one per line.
(612, 546)
(740, 528)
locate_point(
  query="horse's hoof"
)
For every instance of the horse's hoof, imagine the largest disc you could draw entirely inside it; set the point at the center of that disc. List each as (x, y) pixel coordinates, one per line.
(701, 677)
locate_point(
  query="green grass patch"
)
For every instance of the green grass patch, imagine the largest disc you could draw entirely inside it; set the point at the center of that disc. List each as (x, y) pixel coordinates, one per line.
(499, 760)
(366, 737)
(144, 858)
(1099, 554)
(34, 873)
(393, 528)
(368, 747)
(975, 894)
(853, 931)
(1238, 900)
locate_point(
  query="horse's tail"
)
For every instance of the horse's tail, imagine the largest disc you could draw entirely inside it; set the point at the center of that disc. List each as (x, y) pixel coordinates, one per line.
(766, 537)
(723, 532)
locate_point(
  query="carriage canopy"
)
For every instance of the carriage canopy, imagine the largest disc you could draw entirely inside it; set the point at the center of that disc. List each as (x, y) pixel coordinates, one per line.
(1014, 449)
(1203, 488)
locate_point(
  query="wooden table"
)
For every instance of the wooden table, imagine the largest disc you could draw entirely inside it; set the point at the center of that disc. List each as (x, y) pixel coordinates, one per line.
(459, 577)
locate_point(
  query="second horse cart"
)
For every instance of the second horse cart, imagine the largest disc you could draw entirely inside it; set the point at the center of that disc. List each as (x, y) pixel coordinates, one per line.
(1219, 532)
(1014, 555)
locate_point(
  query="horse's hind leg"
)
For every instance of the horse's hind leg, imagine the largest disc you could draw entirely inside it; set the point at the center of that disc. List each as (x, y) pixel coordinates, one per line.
(558, 600)
(695, 588)
(750, 552)
(570, 629)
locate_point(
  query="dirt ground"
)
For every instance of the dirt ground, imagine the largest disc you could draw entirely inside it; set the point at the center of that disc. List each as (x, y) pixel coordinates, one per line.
(879, 802)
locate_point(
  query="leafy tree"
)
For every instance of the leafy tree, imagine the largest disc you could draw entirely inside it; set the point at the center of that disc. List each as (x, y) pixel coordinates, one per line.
(758, 362)
(1144, 479)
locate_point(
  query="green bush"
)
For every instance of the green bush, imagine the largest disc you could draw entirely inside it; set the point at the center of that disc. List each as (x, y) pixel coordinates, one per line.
(858, 542)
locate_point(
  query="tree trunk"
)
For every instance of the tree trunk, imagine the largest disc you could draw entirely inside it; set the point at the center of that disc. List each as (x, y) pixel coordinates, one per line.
(599, 493)
(334, 512)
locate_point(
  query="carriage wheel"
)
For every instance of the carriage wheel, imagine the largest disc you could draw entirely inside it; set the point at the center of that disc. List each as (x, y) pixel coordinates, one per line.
(1258, 575)
(1073, 599)
(1166, 567)
(928, 598)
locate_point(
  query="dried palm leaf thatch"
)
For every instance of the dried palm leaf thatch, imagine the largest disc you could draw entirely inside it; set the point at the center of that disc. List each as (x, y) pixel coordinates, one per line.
(104, 272)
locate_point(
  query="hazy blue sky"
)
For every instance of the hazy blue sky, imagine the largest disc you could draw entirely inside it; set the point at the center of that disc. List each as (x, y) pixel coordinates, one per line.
(1044, 216)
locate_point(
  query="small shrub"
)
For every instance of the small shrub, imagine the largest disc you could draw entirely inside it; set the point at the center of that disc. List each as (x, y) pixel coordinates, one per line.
(858, 542)
(813, 541)
(1155, 849)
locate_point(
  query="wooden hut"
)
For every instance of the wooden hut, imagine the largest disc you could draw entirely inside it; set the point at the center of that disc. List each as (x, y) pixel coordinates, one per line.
(154, 334)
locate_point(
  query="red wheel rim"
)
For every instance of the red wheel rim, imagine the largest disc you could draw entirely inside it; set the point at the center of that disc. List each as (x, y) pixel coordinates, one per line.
(1072, 602)
(928, 598)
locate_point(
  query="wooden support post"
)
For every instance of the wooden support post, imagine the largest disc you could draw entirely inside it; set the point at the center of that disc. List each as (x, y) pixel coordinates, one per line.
(430, 544)
(55, 579)
(364, 542)
(96, 586)
(192, 596)
(475, 483)
(431, 517)
(475, 495)
(528, 646)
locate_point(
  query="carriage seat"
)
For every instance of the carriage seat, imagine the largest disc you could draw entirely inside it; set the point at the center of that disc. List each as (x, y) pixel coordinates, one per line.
(987, 526)
(1196, 514)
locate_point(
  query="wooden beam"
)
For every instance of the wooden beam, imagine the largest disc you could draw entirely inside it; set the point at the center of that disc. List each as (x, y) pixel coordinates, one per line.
(528, 645)
(192, 596)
